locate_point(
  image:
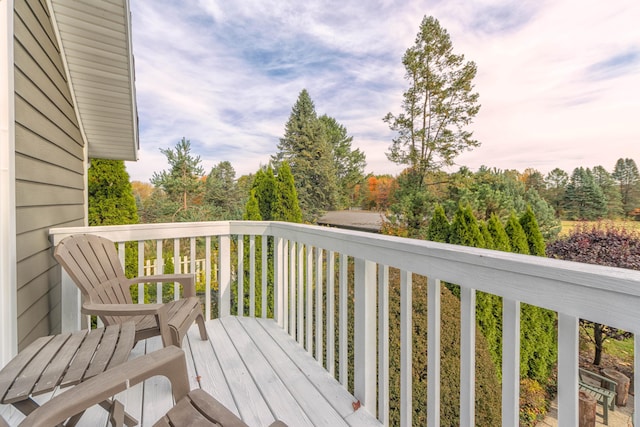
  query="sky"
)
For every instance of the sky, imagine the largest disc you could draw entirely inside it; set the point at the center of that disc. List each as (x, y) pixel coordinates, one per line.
(559, 80)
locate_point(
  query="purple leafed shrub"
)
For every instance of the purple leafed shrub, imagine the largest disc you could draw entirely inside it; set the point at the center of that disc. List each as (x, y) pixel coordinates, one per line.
(602, 243)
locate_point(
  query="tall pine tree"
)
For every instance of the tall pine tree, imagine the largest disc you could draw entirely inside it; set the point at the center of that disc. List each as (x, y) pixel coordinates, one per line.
(306, 148)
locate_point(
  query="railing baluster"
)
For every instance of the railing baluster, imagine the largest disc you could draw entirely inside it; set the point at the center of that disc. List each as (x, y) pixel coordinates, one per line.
(252, 276)
(406, 351)
(567, 370)
(159, 270)
(207, 278)
(383, 344)
(265, 249)
(364, 370)
(240, 275)
(177, 260)
(467, 356)
(279, 288)
(140, 271)
(301, 266)
(192, 266)
(319, 319)
(309, 301)
(342, 321)
(292, 289)
(510, 362)
(433, 352)
(224, 279)
(331, 337)
(636, 377)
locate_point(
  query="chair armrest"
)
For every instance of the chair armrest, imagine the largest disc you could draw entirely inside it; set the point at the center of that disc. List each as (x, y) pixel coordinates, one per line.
(169, 362)
(188, 281)
(121, 309)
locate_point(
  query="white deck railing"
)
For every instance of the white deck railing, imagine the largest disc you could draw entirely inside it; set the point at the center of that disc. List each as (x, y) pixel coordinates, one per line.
(309, 263)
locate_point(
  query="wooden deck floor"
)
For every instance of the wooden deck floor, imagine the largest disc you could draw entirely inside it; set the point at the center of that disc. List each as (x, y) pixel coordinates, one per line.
(255, 369)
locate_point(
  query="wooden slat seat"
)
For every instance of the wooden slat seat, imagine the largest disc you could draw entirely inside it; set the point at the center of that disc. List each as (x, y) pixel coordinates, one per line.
(63, 360)
(93, 264)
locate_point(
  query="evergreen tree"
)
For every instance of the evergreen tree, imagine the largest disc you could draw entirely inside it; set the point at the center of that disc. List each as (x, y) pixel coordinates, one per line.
(222, 193)
(534, 237)
(349, 164)
(498, 234)
(182, 183)
(111, 200)
(627, 175)
(252, 209)
(286, 207)
(439, 227)
(517, 237)
(264, 185)
(465, 230)
(438, 105)
(555, 187)
(584, 199)
(431, 130)
(611, 191)
(309, 154)
(486, 235)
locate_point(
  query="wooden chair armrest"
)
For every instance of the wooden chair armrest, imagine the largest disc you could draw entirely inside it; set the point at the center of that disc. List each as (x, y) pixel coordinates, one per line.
(188, 281)
(169, 362)
(121, 309)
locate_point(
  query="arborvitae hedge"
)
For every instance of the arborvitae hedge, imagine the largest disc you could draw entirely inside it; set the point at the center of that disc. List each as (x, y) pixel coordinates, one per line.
(439, 227)
(488, 396)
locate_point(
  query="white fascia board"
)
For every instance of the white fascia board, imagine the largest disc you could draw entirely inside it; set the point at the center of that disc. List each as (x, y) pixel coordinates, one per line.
(8, 262)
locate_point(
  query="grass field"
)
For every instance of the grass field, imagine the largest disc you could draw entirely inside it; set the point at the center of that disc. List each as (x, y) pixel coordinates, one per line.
(567, 226)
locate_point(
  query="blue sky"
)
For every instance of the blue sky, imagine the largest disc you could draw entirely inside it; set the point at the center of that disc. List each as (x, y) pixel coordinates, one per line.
(559, 80)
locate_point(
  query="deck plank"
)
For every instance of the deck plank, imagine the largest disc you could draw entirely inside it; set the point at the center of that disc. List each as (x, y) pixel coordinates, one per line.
(282, 404)
(334, 393)
(157, 396)
(207, 367)
(253, 409)
(310, 399)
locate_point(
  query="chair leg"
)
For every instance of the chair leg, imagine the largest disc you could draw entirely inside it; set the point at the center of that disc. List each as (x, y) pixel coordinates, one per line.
(201, 327)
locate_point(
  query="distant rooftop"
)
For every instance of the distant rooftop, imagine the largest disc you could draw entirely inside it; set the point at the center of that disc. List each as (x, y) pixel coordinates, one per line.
(360, 220)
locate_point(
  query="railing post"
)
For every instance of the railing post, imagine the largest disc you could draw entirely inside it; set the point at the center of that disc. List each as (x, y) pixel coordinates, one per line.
(224, 279)
(70, 304)
(567, 370)
(510, 362)
(365, 334)
(467, 356)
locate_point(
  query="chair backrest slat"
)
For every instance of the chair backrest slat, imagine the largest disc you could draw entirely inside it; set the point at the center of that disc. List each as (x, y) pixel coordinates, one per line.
(92, 263)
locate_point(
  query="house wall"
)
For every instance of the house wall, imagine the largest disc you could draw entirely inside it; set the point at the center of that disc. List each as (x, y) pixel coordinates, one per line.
(49, 167)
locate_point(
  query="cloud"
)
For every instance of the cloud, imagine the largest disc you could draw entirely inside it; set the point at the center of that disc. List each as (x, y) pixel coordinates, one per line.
(556, 78)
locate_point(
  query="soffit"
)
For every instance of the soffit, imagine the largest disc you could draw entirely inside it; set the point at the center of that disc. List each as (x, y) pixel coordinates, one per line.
(95, 42)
